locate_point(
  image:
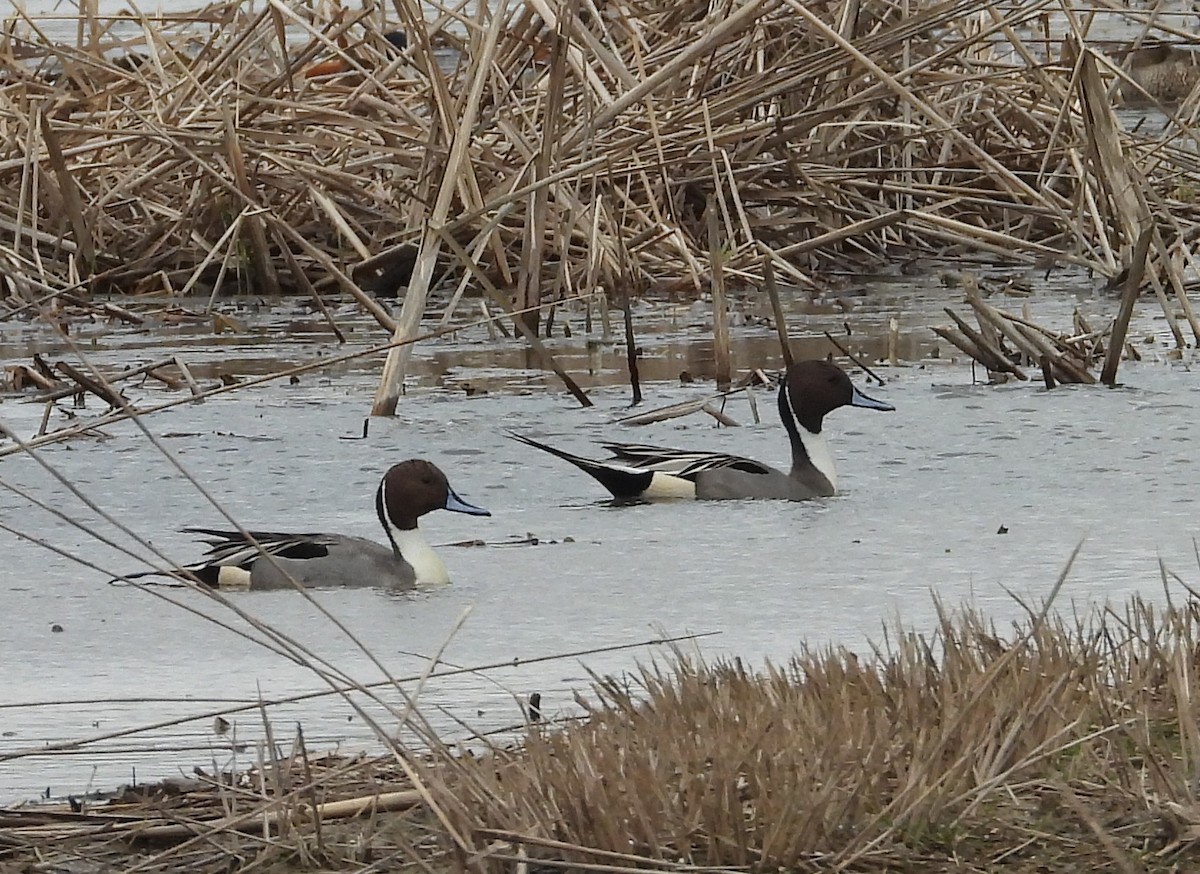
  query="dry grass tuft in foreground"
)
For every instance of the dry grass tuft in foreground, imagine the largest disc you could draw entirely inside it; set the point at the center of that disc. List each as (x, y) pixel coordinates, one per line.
(1061, 745)
(1067, 746)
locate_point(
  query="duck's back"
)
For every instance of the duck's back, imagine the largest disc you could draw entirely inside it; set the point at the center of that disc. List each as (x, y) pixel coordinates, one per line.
(350, 561)
(729, 484)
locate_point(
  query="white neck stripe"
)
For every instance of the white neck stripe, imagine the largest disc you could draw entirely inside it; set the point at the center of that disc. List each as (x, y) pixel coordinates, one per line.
(787, 390)
(426, 564)
(819, 454)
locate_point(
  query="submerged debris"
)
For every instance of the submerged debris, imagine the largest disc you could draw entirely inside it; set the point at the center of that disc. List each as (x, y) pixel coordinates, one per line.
(1006, 343)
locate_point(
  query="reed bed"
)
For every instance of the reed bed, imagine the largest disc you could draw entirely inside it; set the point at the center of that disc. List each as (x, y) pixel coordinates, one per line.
(1059, 744)
(551, 148)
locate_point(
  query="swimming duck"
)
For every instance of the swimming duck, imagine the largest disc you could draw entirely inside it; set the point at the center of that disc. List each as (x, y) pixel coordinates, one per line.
(407, 491)
(808, 391)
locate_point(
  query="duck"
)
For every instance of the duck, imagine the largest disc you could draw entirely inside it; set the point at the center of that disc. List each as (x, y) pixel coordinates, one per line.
(808, 391)
(396, 41)
(407, 491)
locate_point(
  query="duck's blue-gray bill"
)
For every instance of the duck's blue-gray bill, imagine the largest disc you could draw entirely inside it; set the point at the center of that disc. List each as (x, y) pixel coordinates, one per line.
(861, 400)
(457, 505)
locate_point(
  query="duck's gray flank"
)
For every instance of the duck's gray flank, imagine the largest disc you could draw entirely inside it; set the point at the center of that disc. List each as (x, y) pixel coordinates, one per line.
(808, 391)
(272, 559)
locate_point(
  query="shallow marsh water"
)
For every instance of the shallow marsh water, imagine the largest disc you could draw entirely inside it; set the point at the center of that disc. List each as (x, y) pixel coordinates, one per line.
(925, 491)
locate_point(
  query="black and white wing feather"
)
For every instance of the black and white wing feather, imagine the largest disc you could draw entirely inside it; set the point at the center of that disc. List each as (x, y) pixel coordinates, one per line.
(680, 462)
(234, 549)
(640, 472)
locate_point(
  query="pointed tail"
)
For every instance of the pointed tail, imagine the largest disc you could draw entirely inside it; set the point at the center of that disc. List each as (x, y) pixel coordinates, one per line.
(624, 483)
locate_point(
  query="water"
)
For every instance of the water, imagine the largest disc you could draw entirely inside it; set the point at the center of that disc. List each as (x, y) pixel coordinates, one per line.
(925, 491)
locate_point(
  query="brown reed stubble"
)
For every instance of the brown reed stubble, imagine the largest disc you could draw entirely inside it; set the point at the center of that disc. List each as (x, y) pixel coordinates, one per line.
(1067, 743)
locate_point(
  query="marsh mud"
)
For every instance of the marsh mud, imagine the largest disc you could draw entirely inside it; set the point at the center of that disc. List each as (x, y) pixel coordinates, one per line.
(967, 492)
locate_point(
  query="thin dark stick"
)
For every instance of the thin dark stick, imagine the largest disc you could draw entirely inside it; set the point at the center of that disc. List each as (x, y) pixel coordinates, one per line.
(720, 314)
(871, 373)
(635, 382)
(303, 282)
(777, 308)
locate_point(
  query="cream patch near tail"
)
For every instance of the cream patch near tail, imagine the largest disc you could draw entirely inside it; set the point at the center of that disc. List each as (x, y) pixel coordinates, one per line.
(233, 579)
(664, 486)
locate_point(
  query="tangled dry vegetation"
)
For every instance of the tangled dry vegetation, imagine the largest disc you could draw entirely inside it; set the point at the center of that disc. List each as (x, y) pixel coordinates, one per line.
(564, 147)
(1063, 746)
(1059, 745)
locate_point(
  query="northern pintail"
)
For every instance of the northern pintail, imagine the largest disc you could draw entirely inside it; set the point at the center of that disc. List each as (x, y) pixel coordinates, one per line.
(407, 491)
(808, 391)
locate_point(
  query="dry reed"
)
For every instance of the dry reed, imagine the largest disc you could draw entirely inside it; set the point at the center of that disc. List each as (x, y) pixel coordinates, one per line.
(548, 150)
(1005, 341)
(1063, 744)
(565, 147)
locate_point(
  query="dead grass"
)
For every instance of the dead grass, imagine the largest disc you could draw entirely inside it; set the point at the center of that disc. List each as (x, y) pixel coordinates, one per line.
(1055, 745)
(1071, 746)
(561, 147)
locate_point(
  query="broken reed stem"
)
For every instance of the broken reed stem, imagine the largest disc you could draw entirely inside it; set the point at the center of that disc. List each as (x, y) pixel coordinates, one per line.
(70, 196)
(961, 342)
(634, 110)
(260, 254)
(1129, 296)
(1061, 358)
(862, 365)
(720, 310)
(531, 337)
(57, 393)
(302, 281)
(457, 178)
(106, 309)
(102, 391)
(721, 416)
(986, 353)
(1047, 373)
(264, 821)
(368, 303)
(120, 415)
(186, 373)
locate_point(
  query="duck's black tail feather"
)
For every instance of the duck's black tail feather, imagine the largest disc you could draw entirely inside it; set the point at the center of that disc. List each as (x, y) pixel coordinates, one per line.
(624, 483)
(205, 574)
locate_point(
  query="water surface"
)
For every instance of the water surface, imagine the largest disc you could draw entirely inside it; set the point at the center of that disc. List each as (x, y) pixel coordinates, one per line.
(925, 492)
